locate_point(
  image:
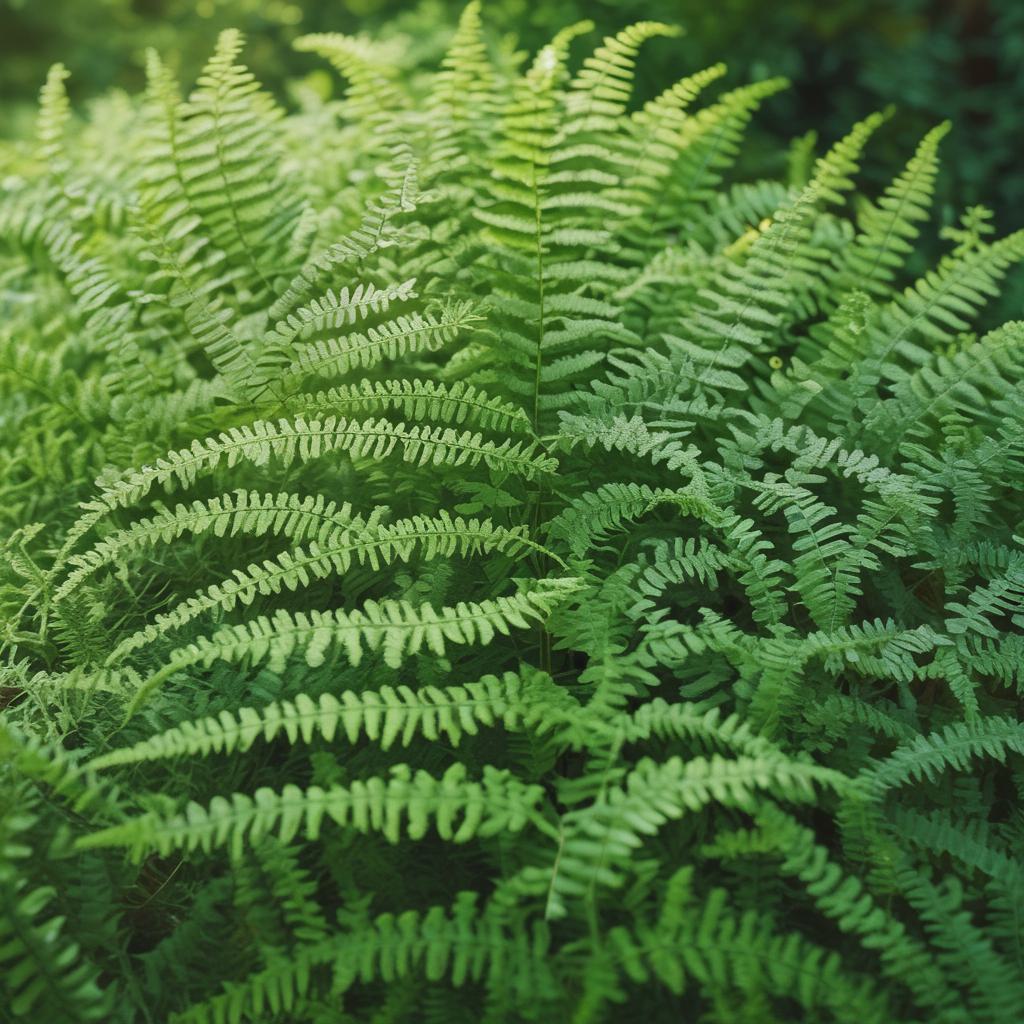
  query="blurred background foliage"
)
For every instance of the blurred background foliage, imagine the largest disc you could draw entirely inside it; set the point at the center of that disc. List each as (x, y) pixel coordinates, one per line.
(932, 59)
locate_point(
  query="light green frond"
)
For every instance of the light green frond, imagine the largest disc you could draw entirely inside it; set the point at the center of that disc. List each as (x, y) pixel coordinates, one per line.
(592, 516)
(601, 89)
(404, 803)
(598, 842)
(888, 228)
(386, 716)
(376, 231)
(299, 518)
(457, 403)
(338, 355)
(290, 441)
(52, 120)
(397, 629)
(372, 96)
(228, 163)
(374, 546)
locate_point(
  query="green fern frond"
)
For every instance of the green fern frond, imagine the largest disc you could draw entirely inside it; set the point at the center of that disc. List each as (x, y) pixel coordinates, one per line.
(386, 716)
(373, 546)
(709, 944)
(594, 515)
(466, 943)
(302, 519)
(845, 899)
(888, 228)
(228, 162)
(457, 403)
(371, 94)
(336, 356)
(953, 747)
(405, 802)
(397, 629)
(52, 120)
(598, 841)
(289, 441)
(376, 231)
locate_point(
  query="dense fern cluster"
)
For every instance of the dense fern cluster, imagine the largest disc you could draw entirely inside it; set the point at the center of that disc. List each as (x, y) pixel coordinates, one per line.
(469, 556)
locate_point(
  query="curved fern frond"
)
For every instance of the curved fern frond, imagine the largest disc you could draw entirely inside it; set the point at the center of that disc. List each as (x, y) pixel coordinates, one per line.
(373, 546)
(888, 228)
(389, 340)
(300, 518)
(953, 747)
(467, 943)
(397, 629)
(289, 441)
(457, 403)
(595, 514)
(376, 231)
(372, 96)
(597, 842)
(386, 716)
(708, 146)
(845, 899)
(228, 163)
(44, 971)
(723, 951)
(601, 89)
(405, 802)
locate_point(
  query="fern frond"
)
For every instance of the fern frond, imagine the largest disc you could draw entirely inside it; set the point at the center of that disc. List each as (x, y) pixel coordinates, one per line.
(595, 514)
(45, 971)
(708, 146)
(52, 120)
(458, 403)
(376, 231)
(375, 546)
(888, 228)
(337, 356)
(952, 747)
(300, 518)
(721, 951)
(844, 898)
(405, 802)
(289, 441)
(397, 629)
(969, 381)
(598, 841)
(386, 716)
(371, 96)
(601, 89)
(995, 986)
(466, 943)
(969, 842)
(229, 166)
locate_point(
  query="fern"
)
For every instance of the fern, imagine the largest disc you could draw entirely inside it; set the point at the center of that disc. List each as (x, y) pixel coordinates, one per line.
(473, 550)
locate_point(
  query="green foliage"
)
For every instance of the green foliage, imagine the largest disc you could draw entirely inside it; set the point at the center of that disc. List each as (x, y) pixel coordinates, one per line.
(470, 554)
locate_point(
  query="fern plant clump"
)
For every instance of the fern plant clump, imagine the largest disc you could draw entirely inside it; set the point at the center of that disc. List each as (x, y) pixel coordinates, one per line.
(470, 555)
